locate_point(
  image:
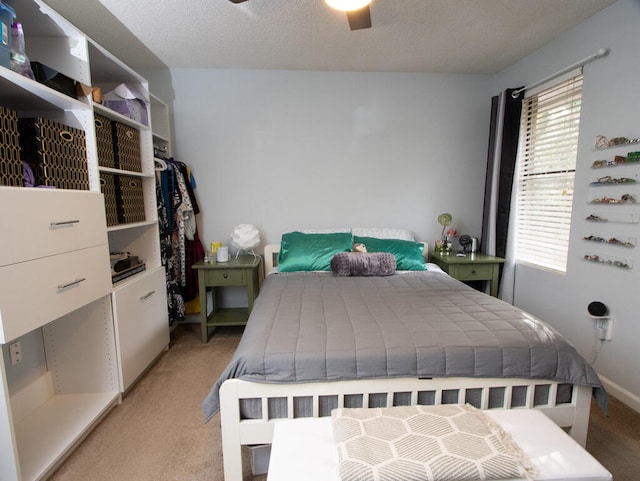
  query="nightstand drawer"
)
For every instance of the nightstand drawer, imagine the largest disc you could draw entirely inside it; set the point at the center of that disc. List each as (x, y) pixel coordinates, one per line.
(470, 272)
(224, 277)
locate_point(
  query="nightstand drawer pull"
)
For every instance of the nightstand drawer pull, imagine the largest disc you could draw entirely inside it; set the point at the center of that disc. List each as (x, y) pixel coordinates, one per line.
(220, 277)
(147, 296)
(470, 272)
(72, 283)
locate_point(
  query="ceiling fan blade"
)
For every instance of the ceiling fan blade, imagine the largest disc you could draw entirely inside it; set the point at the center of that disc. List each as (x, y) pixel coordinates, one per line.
(359, 19)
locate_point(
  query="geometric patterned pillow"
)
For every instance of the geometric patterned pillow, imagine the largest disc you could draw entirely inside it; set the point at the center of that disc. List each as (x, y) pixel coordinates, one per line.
(448, 442)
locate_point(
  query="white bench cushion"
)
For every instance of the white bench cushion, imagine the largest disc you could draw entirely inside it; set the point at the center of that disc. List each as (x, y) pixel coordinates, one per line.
(304, 449)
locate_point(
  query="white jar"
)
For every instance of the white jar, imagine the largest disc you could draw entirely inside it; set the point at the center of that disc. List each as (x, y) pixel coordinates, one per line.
(222, 254)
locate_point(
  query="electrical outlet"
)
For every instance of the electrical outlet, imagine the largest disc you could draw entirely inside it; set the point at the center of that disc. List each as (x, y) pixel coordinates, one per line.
(15, 352)
(604, 329)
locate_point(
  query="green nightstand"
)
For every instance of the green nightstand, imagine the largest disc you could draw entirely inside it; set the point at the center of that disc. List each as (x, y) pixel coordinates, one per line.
(240, 271)
(471, 267)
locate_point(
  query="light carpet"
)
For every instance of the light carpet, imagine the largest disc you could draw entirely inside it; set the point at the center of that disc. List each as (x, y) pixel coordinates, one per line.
(158, 432)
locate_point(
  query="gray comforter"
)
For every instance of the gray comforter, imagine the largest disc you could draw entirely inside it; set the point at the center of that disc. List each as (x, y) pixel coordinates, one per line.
(308, 327)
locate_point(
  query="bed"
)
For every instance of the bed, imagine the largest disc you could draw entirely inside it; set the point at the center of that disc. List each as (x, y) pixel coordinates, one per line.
(316, 341)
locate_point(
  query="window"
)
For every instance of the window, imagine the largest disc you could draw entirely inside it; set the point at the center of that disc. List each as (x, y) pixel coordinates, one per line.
(546, 169)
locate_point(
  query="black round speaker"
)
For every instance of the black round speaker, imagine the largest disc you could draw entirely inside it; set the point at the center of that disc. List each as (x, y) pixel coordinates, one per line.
(597, 308)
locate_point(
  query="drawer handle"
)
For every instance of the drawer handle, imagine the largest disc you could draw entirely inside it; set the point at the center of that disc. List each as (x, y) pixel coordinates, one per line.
(147, 296)
(71, 284)
(473, 271)
(225, 275)
(64, 222)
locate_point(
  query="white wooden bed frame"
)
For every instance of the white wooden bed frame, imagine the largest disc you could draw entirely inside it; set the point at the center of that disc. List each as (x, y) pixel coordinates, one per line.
(236, 432)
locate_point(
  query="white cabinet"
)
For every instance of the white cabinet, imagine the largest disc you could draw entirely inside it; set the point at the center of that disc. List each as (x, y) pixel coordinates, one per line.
(141, 320)
(53, 260)
(54, 295)
(84, 340)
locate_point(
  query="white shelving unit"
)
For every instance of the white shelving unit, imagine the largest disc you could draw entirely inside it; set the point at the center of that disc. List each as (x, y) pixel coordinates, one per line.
(161, 126)
(54, 301)
(139, 302)
(84, 340)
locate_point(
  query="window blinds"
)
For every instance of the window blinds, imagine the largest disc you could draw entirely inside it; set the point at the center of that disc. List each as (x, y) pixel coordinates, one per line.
(546, 168)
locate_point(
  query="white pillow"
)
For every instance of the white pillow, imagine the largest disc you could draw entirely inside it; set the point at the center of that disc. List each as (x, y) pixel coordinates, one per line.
(383, 233)
(328, 230)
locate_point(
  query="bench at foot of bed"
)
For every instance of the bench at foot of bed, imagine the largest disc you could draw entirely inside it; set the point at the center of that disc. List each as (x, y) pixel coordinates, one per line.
(305, 449)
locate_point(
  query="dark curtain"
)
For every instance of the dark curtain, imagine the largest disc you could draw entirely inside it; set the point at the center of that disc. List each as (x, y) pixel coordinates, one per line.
(501, 165)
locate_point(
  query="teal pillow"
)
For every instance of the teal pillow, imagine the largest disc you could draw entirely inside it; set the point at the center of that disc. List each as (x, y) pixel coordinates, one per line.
(311, 252)
(409, 254)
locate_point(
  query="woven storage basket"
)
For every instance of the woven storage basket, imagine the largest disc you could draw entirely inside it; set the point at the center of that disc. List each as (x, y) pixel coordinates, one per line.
(127, 147)
(56, 152)
(130, 199)
(10, 161)
(108, 188)
(104, 142)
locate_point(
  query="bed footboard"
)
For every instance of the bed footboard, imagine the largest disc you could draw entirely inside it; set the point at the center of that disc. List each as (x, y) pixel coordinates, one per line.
(569, 410)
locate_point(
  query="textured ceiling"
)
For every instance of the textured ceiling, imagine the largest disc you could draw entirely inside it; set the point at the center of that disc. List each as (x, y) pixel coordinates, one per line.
(439, 36)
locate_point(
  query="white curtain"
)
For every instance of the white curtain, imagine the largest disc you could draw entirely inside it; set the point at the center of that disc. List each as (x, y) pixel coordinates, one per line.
(507, 281)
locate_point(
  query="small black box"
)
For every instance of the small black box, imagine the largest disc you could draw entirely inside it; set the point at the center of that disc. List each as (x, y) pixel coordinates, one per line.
(54, 79)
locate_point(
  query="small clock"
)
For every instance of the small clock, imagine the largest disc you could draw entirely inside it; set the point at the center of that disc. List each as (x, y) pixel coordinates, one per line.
(465, 242)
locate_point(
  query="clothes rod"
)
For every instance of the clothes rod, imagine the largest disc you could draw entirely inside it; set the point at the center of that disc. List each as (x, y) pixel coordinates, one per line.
(599, 54)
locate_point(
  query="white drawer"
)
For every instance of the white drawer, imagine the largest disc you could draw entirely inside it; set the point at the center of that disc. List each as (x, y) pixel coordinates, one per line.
(36, 292)
(141, 323)
(43, 222)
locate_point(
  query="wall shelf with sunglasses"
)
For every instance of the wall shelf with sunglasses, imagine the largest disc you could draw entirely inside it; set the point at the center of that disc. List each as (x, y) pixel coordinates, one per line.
(624, 199)
(621, 241)
(621, 143)
(617, 218)
(603, 143)
(620, 154)
(611, 261)
(617, 161)
(608, 181)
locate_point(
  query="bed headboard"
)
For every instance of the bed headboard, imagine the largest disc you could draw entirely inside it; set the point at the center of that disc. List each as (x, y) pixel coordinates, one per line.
(271, 252)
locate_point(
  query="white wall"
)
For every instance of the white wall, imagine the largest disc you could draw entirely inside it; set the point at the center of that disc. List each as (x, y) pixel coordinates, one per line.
(286, 150)
(611, 99)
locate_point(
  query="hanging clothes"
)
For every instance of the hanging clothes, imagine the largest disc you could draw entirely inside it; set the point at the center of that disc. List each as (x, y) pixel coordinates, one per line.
(175, 301)
(180, 244)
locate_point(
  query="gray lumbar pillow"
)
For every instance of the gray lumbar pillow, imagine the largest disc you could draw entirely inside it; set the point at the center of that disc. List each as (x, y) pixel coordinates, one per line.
(363, 264)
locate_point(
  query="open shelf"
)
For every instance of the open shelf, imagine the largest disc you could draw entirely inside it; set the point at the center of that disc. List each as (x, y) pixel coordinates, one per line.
(55, 427)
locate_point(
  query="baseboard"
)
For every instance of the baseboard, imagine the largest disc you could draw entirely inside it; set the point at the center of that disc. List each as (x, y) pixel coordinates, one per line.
(621, 394)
